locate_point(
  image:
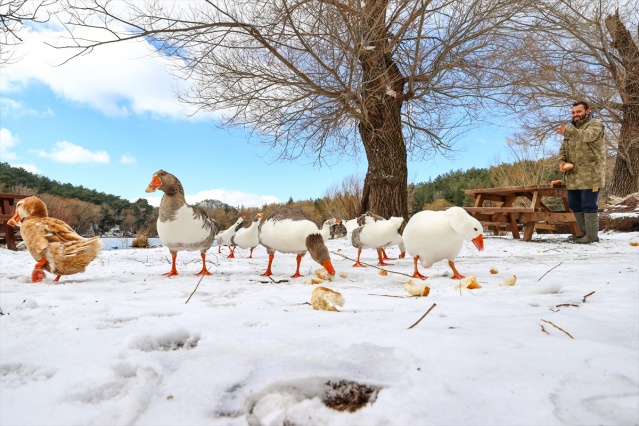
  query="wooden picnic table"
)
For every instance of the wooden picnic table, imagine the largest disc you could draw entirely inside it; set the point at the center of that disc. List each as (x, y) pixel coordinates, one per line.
(7, 233)
(503, 212)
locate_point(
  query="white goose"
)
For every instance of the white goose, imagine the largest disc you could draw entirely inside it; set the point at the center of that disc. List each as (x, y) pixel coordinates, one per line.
(247, 238)
(431, 236)
(375, 232)
(290, 230)
(180, 225)
(223, 238)
(350, 225)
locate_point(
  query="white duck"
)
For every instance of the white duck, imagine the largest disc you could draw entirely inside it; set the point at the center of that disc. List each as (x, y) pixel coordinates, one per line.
(375, 232)
(223, 238)
(247, 238)
(431, 236)
(180, 225)
(290, 230)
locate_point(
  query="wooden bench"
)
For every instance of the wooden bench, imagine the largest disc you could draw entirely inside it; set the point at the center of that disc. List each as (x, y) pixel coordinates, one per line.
(7, 233)
(507, 216)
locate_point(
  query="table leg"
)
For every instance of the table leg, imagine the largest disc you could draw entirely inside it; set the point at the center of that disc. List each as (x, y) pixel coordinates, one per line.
(513, 227)
(529, 229)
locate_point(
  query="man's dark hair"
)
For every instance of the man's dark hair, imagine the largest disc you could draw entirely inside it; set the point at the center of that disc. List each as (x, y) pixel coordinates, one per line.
(584, 103)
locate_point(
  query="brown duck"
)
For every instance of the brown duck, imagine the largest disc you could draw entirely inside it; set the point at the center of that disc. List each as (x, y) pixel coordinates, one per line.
(55, 246)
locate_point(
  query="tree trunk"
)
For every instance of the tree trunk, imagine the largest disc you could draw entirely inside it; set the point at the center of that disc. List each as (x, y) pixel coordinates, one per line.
(385, 189)
(386, 185)
(625, 175)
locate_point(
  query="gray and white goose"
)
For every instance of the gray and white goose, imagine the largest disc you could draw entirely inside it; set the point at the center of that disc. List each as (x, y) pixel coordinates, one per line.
(223, 238)
(290, 230)
(247, 238)
(180, 225)
(376, 232)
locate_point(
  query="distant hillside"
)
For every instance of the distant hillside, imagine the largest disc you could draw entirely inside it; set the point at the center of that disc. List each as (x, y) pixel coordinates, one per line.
(17, 177)
(215, 204)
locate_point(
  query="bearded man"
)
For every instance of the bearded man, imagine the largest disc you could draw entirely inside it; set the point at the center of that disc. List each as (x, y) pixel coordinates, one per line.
(582, 160)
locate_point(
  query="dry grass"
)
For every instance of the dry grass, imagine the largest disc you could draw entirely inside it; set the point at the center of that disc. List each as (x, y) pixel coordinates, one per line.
(141, 240)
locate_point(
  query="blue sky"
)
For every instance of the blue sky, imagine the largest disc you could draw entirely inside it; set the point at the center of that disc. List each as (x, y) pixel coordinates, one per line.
(109, 120)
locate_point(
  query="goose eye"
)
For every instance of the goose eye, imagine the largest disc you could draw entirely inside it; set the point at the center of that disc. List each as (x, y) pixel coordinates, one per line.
(475, 229)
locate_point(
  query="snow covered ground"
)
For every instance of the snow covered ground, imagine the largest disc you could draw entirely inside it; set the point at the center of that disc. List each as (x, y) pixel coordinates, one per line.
(120, 345)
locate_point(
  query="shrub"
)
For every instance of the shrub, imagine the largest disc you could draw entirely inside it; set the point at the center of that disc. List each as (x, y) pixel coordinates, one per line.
(141, 240)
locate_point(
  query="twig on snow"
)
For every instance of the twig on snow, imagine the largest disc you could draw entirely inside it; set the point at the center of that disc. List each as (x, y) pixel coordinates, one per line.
(194, 290)
(589, 294)
(423, 316)
(389, 295)
(272, 281)
(558, 328)
(549, 271)
(374, 266)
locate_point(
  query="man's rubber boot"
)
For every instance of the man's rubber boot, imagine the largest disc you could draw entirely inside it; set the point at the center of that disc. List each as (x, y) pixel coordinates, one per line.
(581, 224)
(592, 229)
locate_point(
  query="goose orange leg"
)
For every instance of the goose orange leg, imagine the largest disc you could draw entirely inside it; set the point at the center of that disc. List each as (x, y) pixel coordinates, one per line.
(297, 271)
(251, 255)
(204, 271)
(456, 275)
(232, 254)
(38, 274)
(358, 263)
(385, 255)
(416, 274)
(57, 279)
(268, 272)
(173, 271)
(380, 255)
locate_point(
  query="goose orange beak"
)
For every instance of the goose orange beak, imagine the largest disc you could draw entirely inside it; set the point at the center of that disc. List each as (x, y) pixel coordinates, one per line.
(329, 267)
(479, 242)
(15, 220)
(155, 184)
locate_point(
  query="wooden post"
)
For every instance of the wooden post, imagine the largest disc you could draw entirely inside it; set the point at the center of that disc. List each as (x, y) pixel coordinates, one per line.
(7, 201)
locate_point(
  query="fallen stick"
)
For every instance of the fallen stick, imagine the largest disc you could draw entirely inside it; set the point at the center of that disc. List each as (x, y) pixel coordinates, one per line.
(194, 290)
(272, 281)
(389, 295)
(549, 271)
(423, 316)
(558, 328)
(589, 294)
(374, 266)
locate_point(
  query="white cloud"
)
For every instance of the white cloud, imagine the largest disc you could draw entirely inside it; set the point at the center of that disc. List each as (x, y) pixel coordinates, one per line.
(7, 143)
(31, 168)
(232, 198)
(126, 159)
(118, 80)
(12, 108)
(66, 152)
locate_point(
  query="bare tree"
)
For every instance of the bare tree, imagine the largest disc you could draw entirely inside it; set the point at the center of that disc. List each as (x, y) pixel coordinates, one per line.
(14, 14)
(573, 51)
(343, 200)
(311, 77)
